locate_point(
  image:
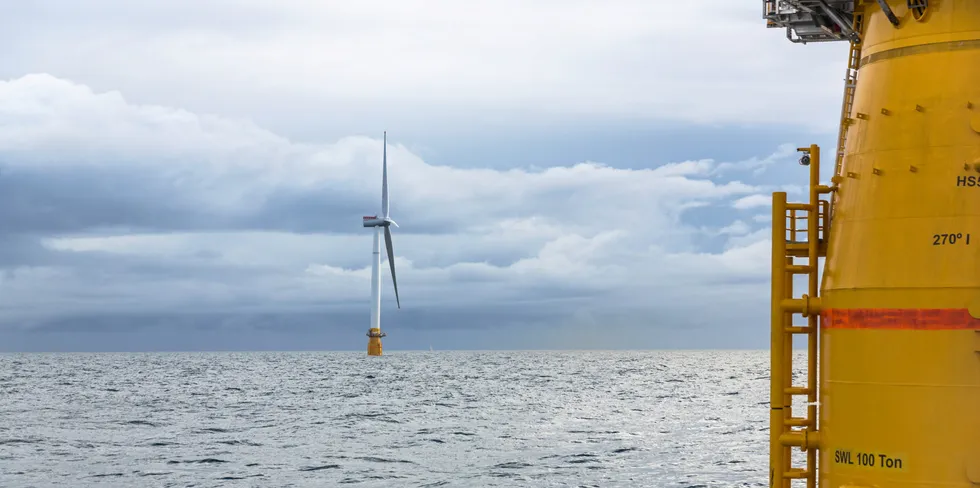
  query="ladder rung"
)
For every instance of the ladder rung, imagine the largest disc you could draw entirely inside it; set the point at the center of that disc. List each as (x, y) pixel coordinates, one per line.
(797, 246)
(798, 330)
(797, 390)
(797, 422)
(800, 245)
(799, 206)
(796, 473)
(798, 269)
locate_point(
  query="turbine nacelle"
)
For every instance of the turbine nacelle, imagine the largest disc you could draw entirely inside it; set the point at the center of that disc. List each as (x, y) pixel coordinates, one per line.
(374, 221)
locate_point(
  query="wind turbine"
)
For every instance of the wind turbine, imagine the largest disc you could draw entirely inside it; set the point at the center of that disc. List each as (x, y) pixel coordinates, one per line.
(374, 333)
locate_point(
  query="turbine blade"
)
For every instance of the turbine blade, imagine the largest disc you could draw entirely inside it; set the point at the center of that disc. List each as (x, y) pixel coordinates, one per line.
(391, 263)
(384, 179)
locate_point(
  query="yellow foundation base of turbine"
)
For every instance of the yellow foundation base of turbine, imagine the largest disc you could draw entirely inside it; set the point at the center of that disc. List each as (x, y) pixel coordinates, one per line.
(374, 341)
(898, 370)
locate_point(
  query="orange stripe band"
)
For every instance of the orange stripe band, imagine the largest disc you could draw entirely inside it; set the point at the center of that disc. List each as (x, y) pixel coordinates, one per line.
(900, 319)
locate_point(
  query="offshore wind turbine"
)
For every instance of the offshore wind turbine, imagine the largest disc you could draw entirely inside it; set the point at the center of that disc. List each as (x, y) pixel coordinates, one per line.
(384, 222)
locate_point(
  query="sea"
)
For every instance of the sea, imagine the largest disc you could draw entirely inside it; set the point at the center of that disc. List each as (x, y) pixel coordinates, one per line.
(685, 419)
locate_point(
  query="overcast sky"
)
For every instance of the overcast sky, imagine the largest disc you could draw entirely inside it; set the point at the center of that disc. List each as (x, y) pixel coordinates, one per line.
(566, 174)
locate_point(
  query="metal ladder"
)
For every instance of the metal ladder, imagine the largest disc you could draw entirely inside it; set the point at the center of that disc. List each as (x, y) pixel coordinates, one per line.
(850, 85)
(786, 430)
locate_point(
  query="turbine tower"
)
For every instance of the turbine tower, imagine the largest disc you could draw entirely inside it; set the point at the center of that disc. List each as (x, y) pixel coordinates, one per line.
(384, 222)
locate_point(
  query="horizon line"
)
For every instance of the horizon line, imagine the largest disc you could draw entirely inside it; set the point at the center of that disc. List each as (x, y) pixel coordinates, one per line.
(388, 352)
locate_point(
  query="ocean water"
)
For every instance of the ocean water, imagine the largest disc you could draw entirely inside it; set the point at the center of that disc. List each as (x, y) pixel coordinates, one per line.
(481, 419)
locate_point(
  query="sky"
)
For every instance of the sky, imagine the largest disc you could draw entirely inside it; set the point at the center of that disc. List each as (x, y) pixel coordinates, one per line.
(183, 175)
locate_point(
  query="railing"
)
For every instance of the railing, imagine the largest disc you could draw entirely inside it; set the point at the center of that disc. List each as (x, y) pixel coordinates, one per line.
(786, 248)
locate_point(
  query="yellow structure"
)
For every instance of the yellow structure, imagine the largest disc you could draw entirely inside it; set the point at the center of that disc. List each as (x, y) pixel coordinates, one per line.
(897, 315)
(374, 341)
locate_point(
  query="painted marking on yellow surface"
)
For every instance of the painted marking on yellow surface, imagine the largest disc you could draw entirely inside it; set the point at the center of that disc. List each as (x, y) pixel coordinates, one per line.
(868, 459)
(969, 181)
(899, 318)
(951, 239)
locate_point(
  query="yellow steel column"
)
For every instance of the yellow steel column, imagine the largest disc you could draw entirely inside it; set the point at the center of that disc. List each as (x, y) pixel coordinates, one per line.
(776, 461)
(813, 236)
(899, 370)
(788, 349)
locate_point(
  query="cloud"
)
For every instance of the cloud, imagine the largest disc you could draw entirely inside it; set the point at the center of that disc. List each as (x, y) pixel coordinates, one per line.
(758, 165)
(297, 63)
(752, 201)
(116, 210)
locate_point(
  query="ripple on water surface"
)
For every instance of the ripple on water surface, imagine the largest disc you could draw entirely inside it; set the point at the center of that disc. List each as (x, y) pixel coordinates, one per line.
(672, 419)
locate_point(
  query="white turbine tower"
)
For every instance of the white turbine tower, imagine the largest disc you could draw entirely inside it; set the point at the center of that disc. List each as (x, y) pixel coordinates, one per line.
(374, 333)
